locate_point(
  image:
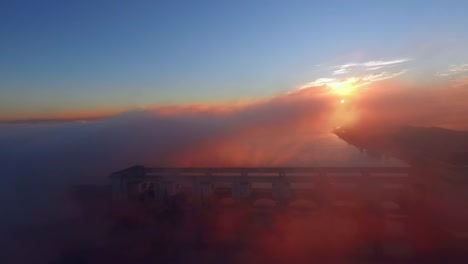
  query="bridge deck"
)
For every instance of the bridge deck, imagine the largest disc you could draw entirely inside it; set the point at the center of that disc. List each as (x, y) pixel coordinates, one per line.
(140, 171)
(242, 180)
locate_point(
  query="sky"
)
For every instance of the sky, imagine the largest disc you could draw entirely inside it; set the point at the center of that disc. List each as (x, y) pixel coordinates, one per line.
(88, 59)
(212, 83)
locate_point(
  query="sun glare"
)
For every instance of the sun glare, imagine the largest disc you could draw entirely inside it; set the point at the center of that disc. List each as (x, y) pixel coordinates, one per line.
(344, 87)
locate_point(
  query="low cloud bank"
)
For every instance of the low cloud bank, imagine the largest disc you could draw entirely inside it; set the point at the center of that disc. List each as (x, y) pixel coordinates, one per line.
(400, 104)
(39, 160)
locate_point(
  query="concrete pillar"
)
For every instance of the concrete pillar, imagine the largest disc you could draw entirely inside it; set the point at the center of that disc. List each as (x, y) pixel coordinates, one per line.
(157, 191)
(124, 183)
(202, 189)
(369, 190)
(281, 191)
(418, 186)
(117, 189)
(244, 189)
(163, 191)
(196, 192)
(240, 190)
(322, 184)
(235, 191)
(206, 192)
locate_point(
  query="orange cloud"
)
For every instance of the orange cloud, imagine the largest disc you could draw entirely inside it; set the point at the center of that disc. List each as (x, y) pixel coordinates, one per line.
(288, 129)
(281, 130)
(400, 104)
(268, 131)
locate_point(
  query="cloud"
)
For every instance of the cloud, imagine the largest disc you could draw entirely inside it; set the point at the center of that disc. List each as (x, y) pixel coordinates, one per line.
(381, 63)
(318, 82)
(391, 102)
(340, 71)
(359, 79)
(356, 81)
(374, 68)
(461, 82)
(456, 74)
(40, 161)
(382, 76)
(371, 65)
(454, 70)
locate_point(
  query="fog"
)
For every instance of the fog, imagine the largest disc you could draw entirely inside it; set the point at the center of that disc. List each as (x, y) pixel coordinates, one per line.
(40, 162)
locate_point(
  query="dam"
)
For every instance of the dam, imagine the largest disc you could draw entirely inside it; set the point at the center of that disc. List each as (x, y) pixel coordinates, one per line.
(321, 185)
(397, 204)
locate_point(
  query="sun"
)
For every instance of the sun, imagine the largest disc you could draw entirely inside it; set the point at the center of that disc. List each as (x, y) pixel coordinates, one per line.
(342, 101)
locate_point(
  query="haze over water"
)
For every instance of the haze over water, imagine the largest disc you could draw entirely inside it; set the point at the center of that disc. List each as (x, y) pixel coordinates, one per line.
(91, 87)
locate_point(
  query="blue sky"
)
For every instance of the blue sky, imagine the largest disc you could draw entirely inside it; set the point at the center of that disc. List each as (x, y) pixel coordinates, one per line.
(72, 56)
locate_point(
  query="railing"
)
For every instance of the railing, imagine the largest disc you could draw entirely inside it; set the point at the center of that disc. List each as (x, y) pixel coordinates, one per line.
(140, 171)
(280, 178)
